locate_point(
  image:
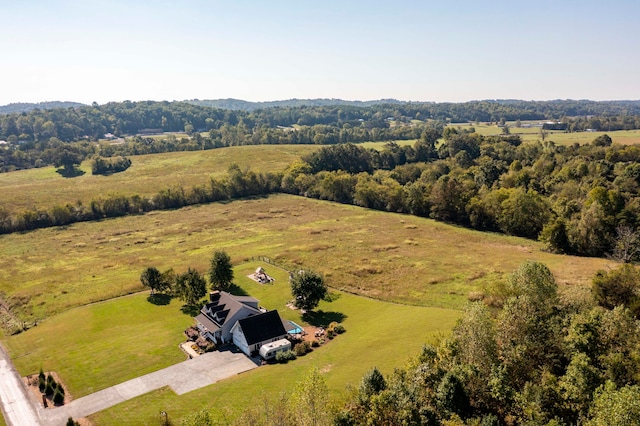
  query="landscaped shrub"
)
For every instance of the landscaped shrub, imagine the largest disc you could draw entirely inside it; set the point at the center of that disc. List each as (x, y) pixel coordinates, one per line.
(49, 388)
(285, 356)
(58, 396)
(315, 343)
(202, 342)
(302, 348)
(42, 381)
(192, 333)
(333, 329)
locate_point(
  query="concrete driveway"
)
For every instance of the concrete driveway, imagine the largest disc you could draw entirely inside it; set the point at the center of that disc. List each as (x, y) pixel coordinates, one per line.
(182, 378)
(17, 407)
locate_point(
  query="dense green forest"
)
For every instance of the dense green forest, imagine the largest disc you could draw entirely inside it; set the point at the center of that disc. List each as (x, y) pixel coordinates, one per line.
(20, 107)
(34, 138)
(535, 361)
(579, 199)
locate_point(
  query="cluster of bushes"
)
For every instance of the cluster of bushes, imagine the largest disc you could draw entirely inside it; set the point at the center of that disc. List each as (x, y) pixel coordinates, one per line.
(334, 329)
(49, 387)
(302, 348)
(285, 356)
(106, 166)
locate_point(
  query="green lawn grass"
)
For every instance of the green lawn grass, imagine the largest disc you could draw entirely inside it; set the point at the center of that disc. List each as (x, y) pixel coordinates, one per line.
(378, 334)
(427, 268)
(148, 174)
(103, 344)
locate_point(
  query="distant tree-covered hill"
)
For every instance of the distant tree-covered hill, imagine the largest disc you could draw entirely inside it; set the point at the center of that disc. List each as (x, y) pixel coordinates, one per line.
(331, 123)
(240, 105)
(26, 107)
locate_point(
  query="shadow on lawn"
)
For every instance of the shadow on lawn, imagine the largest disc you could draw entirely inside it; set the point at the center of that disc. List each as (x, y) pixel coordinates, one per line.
(191, 310)
(237, 291)
(322, 319)
(70, 173)
(159, 299)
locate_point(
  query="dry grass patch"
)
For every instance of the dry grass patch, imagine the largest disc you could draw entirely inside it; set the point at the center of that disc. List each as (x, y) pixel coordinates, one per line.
(100, 260)
(148, 174)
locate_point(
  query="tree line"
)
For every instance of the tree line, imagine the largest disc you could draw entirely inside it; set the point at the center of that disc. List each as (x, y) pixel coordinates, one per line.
(535, 361)
(236, 184)
(32, 135)
(128, 118)
(577, 199)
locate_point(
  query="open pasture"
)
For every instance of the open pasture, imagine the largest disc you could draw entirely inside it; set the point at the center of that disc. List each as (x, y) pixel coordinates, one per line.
(386, 256)
(148, 174)
(380, 145)
(532, 134)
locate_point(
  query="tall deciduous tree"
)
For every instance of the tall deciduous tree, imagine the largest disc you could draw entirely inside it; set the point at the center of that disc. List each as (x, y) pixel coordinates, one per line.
(190, 286)
(156, 280)
(221, 271)
(618, 287)
(308, 288)
(151, 278)
(67, 156)
(311, 400)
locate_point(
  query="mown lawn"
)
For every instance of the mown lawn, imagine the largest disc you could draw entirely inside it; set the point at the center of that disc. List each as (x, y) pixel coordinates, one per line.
(148, 174)
(379, 334)
(103, 344)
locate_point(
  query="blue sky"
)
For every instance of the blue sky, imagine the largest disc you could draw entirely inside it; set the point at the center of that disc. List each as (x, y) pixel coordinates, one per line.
(455, 50)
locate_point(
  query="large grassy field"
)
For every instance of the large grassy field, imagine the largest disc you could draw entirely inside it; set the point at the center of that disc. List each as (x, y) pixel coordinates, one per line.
(44, 188)
(416, 272)
(623, 137)
(387, 256)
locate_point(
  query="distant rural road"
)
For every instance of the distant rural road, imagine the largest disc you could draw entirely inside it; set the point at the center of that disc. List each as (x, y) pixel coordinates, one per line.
(17, 408)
